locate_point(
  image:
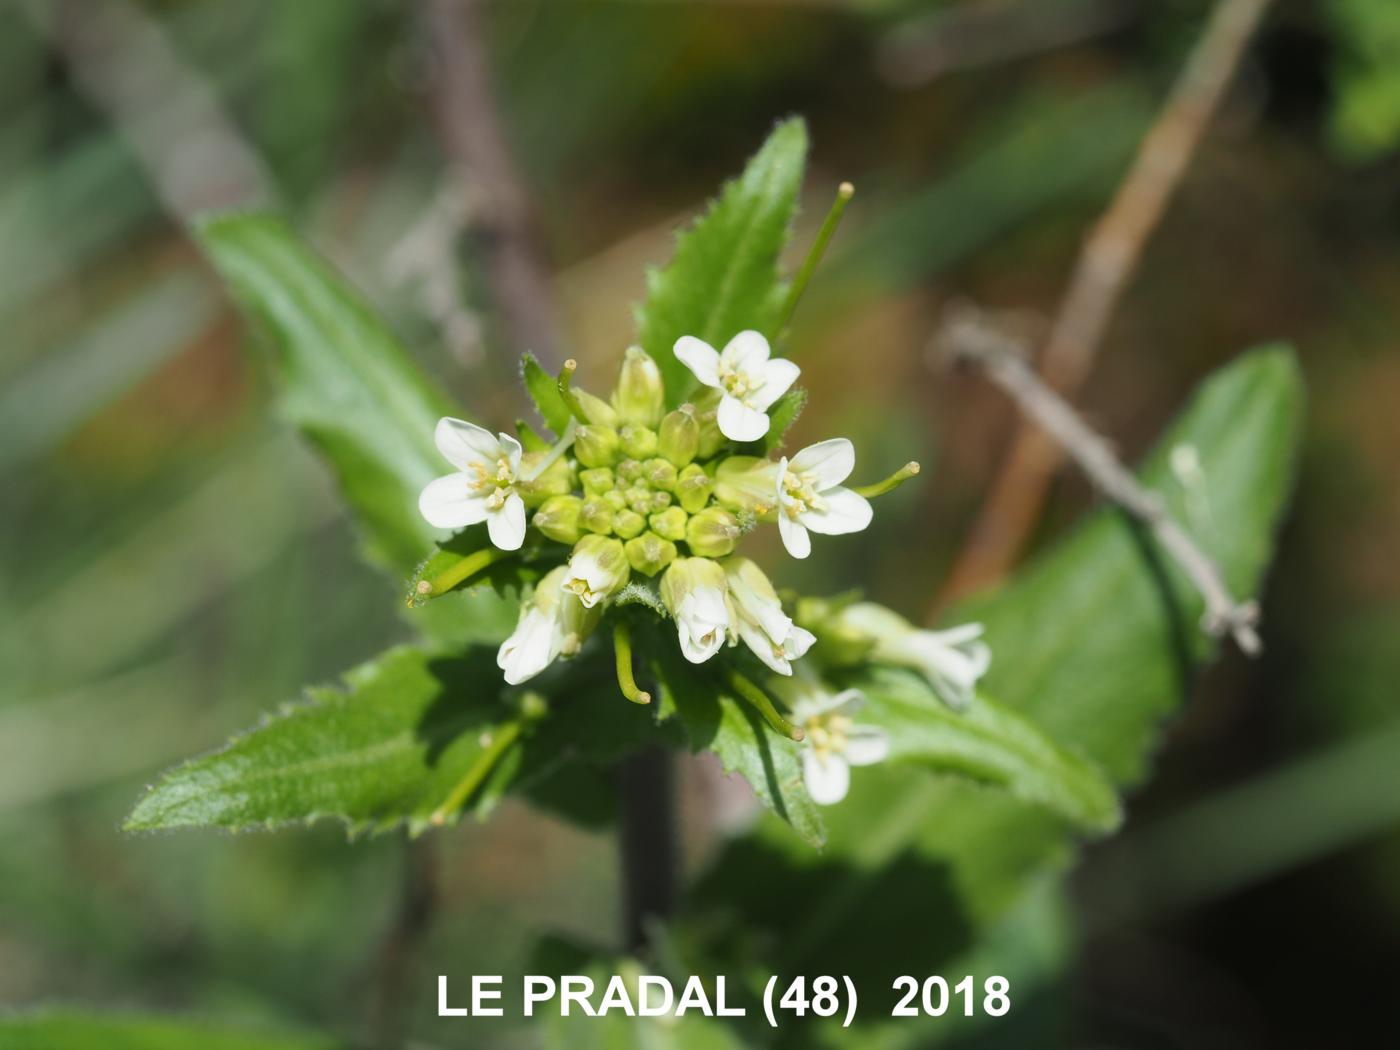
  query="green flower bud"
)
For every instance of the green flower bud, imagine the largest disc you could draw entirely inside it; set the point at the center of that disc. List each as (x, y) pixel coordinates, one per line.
(615, 499)
(747, 484)
(660, 474)
(595, 446)
(640, 396)
(596, 481)
(693, 488)
(707, 415)
(558, 518)
(629, 470)
(840, 643)
(639, 499)
(713, 533)
(679, 439)
(596, 516)
(556, 480)
(669, 524)
(628, 523)
(649, 553)
(597, 570)
(639, 442)
(598, 412)
(659, 501)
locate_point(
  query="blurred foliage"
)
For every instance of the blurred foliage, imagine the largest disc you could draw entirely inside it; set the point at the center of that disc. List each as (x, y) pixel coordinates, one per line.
(169, 561)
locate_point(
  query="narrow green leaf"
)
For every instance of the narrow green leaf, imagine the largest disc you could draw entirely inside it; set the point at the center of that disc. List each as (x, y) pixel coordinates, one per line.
(53, 1029)
(385, 750)
(344, 379)
(543, 389)
(724, 275)
(715, 720)
(986, 743)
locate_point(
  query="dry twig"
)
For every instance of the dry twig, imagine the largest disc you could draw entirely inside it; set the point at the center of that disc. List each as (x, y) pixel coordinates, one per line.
(969, 339)
(1106, 264)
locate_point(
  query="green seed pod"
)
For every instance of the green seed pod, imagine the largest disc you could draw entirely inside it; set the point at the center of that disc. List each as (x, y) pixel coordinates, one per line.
(596, 516)
(596, 481)
(558, 518)
(628, 523)
(693, 488)
(660, 474)
(649, 553)
(640, 396)
(628, 471)
(598, 412)
(638, 442)
(713, 533)
(596, 446)
(679, 438)
(669, 524)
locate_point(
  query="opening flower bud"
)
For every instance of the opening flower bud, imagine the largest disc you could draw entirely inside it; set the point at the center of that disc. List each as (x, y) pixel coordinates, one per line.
(556, 480)
(693, 488)
(641, 394)
(629, 470)
(670, 524)
(710, 439)
(558, 518)
(628, 523)
(713, 533)
(679, 439)
(747, 484)
(597, 570)
(596, 516)
(596, 446)
(596, 481)
(637, 441)
(757, 617)
(553, 623)
(953, 660)
(693, 589)
(649, 553)
(661, 474)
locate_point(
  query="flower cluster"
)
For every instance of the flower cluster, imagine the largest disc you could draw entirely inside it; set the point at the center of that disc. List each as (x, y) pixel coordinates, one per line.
(640, 493)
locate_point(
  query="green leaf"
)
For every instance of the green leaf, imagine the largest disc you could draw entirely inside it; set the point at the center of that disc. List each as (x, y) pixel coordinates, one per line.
(782, 416)
(717, 721)
(385, 750)
(543, 389)
(724, 275)
(71, 1030)
(344, 379)
(986, 743)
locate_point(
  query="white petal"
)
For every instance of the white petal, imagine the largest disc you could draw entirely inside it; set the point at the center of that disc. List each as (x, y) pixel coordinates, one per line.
(959, 635)
(512, 451)
(449, 503)
(507, 525)
(762, 646)
(530, 649)
(844, 512)
(746, 352)
(794, 535)
(798, 641)
(847, 701)
(778, 375)
(465, 445)
(827, 779)
(867, 745)
(827, 463)
(700, 357)
(695, 651)
(738, 422)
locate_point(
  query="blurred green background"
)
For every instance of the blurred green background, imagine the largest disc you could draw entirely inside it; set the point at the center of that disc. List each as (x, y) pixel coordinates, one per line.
(173, 562)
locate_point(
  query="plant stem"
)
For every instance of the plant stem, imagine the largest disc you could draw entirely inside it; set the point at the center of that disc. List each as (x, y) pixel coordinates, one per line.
(646, 842)
(844, 192)
(759, 699)
(622, 647)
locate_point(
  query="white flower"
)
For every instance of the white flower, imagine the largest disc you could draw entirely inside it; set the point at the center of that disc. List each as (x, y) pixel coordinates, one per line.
(744, 375)
(834, 742)
(597, 569)
(757, 617)
(951, 660)
(484, 488)
(553, 623)
(810, 495)
(693, 589)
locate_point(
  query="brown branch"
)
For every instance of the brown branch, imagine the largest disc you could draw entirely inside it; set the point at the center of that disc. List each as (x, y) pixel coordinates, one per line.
(1106, 264)
(501, 217)
(971, 340)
